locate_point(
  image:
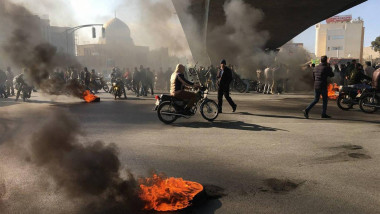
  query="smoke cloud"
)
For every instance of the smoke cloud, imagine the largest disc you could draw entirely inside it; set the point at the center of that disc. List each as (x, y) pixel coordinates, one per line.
(238, 41)
(26, 48)
(158, 26)
(90, 172)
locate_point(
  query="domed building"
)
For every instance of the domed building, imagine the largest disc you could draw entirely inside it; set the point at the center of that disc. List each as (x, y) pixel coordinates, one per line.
(116, 49)
(117, 31)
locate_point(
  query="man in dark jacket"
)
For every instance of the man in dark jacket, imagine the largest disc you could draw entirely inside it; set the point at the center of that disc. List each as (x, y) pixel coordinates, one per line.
(320, 73)
(224, 80)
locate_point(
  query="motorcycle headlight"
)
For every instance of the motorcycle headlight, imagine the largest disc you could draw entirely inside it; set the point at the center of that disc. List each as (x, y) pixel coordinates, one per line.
(114, 84)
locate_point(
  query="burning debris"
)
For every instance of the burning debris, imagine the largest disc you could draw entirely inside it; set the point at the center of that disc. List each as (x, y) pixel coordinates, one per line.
(333, 91)
(168, 194)
(89, 97)
(92, 172)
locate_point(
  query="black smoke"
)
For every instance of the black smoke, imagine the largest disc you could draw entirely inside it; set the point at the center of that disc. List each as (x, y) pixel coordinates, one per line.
(88, 172)
(27, 48)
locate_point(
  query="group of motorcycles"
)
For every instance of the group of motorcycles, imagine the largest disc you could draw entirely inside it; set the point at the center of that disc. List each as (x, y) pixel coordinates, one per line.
(24, 90)
(368, 99)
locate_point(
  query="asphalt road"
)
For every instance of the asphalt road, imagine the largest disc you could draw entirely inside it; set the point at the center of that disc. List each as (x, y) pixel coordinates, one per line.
(266, 156)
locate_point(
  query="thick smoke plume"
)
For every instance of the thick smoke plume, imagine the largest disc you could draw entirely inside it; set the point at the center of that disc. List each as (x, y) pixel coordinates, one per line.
(238, 40)
(27, 49)
(158, 27)
(90, 172)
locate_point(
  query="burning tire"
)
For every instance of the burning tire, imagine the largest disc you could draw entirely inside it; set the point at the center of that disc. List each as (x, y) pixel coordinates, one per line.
(344, 102)
(209, 110)
(368, 103)
(166, 113)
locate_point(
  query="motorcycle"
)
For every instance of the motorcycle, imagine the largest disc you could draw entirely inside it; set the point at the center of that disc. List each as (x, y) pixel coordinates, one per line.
(238, 84)
(118, 88)
(169, 108)
(3, 92)
(348, 97)
(370, 101)
(25, 90)
(98, 84)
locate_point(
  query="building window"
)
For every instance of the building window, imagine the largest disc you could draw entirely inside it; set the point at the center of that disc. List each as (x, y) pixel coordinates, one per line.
(336, 37)
(337, 48)
(328, 37)
(328, 48)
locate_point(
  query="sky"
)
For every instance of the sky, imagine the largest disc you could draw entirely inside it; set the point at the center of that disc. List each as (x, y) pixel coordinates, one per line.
(368, 11)
(77, 12)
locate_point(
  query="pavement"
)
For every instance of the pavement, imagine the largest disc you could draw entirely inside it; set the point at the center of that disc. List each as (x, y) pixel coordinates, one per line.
(266, 157)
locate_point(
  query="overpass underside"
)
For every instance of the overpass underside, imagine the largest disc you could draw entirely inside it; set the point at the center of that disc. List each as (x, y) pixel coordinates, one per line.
(283, 19)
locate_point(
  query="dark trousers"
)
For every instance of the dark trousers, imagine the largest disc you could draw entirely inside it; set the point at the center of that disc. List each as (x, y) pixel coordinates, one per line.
(226, 93)
(318, 93)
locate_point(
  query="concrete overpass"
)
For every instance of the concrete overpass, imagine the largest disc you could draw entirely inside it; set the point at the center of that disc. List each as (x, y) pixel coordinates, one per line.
(284, 19)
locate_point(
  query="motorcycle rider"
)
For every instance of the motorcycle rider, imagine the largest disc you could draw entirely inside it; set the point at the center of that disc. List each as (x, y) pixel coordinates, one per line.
(3, 79)
(87, 77)
(357, 76)
(93, 78)
(21, 83)
(9, 83)
(178, 83)
(369, 69)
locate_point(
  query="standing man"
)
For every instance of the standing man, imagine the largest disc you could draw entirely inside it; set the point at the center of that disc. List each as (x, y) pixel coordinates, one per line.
(136, 81)
(320, 73)
(224, 80)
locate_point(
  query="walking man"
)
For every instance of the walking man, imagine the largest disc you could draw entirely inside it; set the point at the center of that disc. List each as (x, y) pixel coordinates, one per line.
(320, 73)
(224, 80)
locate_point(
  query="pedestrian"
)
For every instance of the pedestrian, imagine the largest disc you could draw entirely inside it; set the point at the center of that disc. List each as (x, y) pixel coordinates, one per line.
(320, 74)
(268, 74)
(136, 81)
(224, 80)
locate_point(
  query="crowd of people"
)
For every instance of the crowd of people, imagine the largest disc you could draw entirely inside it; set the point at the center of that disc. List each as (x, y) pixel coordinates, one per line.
(352, 74)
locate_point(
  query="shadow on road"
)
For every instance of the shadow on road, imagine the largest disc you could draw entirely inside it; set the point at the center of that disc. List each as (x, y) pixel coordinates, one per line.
(225, 124)
(302, 118)
(7, 102)
(272, 116)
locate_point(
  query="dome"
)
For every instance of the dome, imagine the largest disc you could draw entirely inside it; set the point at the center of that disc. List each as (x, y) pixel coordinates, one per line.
(117, 32)
(116, 25)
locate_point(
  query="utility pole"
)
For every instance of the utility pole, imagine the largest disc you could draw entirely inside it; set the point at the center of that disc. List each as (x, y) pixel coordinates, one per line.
(73, 29)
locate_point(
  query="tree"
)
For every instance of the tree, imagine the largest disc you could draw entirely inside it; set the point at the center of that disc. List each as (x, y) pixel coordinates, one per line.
(376, 44)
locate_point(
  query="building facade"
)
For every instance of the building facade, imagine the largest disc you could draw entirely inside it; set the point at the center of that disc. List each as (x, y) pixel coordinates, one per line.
(340, 38)
(118, 49)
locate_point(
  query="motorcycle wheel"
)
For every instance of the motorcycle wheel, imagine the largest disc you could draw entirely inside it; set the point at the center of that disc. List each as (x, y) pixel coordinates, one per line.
(106, 88)
(166, 107)
(240, 87)
(368, 99)
(344, 102)
(209, 110)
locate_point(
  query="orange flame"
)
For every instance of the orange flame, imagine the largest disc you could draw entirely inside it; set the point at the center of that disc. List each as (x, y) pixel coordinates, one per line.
(167, 194)
(331, 91)
(88, 97)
